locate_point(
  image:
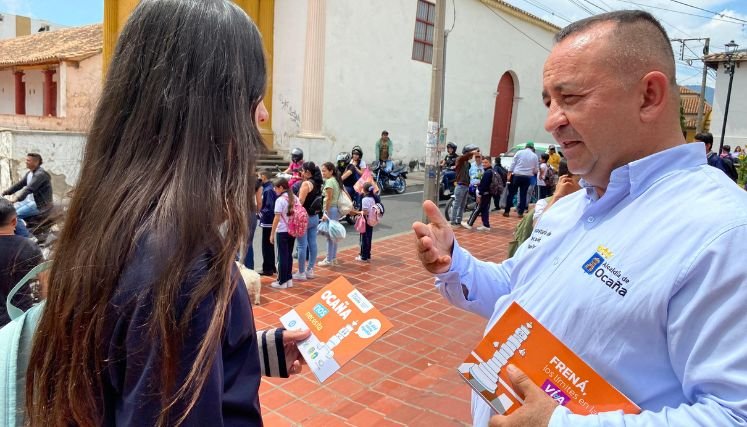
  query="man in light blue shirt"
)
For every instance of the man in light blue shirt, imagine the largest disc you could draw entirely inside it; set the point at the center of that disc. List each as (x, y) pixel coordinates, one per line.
(523, 167)
(660, 312)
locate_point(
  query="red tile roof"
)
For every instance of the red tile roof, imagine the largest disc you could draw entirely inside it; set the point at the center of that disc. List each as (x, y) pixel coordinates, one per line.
(52, 46)
(713, 59)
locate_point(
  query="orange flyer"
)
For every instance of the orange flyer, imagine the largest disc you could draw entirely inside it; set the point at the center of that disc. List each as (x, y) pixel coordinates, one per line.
(342, 323)
(519, 339)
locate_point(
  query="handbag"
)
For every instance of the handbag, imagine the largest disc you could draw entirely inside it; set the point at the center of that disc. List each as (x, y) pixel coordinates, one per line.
(344, 203)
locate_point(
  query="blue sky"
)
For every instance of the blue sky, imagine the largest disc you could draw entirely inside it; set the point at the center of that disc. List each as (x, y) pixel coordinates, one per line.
(682, 18)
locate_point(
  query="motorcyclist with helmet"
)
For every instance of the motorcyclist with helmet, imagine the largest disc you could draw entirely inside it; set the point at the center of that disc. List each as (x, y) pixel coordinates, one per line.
(462, 182)
(448, 168)
(295, 167)
(348, 174)
(357, 159)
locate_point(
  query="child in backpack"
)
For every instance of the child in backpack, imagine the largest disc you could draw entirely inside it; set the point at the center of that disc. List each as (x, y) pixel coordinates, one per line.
(284, 206)
(367, 204)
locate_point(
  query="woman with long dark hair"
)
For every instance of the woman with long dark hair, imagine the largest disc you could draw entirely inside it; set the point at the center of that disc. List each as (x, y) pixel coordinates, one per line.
(147, 321)
(309, 195)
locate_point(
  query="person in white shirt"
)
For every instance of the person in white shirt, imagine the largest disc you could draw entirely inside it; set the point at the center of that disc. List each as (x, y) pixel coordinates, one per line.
(523, 167)
(624, 272)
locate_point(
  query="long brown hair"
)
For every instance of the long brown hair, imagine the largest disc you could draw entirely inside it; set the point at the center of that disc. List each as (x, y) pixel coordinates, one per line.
(170, 154)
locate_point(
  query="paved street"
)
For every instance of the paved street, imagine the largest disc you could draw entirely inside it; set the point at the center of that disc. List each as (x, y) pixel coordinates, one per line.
(409, 376)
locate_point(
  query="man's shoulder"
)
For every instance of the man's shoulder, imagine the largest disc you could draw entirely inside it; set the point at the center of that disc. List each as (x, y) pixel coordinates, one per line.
(16, 247)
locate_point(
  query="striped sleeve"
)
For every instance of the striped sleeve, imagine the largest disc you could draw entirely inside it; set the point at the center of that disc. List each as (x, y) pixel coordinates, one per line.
(272, 353)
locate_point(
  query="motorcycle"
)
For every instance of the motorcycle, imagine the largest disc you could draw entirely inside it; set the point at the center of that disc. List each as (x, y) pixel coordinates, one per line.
(470, 206)
(394, 180)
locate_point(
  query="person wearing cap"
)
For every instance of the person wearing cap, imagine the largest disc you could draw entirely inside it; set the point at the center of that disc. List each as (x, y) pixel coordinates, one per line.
(523, 167)
(462, 183)
(554, 161)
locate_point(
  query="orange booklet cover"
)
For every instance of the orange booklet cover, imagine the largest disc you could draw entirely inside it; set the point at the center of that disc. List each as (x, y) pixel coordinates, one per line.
(519, 339)
(342, 323)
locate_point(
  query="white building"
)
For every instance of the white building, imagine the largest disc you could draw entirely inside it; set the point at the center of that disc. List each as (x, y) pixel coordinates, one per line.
(736, 123)
(344, 71)
(16, 25)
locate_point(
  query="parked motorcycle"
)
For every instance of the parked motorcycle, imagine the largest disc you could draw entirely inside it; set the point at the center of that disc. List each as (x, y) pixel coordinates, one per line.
(471, 203)
(394, 180)
(447, 185)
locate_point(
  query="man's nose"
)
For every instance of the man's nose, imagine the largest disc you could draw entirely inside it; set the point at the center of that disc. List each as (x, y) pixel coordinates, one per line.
(556, 118)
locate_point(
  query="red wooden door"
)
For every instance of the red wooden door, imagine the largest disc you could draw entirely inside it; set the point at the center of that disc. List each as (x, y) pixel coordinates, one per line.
(504, 104)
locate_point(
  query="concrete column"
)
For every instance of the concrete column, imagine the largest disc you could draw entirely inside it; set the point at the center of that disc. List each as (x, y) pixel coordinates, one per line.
(20, 93)
(50, 94)
(313, 73)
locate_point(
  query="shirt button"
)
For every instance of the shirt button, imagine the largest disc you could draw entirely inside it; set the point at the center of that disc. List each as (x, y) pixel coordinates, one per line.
(555, 262)
(590, 219)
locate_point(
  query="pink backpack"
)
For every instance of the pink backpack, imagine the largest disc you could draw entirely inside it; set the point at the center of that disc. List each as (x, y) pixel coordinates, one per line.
(297, 222)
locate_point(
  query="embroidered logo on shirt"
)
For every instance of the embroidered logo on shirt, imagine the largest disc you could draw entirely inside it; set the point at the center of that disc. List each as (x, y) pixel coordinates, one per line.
(598, 266)
(597, 259)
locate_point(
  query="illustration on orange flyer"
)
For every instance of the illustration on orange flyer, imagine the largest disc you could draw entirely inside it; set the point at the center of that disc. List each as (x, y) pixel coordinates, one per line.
(519, 339)
(342, 323)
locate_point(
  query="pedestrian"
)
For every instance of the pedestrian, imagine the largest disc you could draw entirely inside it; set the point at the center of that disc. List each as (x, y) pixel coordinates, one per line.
(284, 205)
(311, 198)
(253, 221)
(384, 151)
(18, 255)
(266, 217)
(653, 283)
(524, 166)
(554, 160)
(368, 203)
(461, 191)
(331, 192)
(147, 321)
(484, 196)
(543, 176)
(503, 173)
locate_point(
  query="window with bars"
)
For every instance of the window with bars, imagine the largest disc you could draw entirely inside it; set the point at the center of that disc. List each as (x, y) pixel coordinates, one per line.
(422, 47)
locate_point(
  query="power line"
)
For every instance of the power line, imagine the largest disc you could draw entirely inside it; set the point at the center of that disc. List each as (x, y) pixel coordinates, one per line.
(515, 27)
(546, 9)
(582, 7)
(709, 11)
(597, 6)
(679, 11)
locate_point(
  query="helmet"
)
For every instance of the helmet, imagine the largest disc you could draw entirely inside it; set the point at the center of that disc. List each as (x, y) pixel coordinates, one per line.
(452, 146)
(469, 148)
(296, 155)
(357, 149)
(551, 147)
(343, 159)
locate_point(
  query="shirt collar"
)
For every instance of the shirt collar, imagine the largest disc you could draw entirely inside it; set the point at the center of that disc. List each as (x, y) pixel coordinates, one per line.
(637, 176)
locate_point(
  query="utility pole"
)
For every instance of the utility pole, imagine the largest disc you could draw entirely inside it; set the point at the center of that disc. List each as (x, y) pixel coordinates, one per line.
(430, 189)
(701, 102)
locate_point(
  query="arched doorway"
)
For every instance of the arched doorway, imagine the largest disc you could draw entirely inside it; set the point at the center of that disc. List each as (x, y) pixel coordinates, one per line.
(504, 106)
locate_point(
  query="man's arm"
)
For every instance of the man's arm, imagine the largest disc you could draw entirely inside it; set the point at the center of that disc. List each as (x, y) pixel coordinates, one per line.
(474, 285)
(16, 187)
(705, 329)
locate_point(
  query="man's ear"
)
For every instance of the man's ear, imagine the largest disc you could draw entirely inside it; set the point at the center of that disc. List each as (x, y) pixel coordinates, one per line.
(14, 222)
(655, 92)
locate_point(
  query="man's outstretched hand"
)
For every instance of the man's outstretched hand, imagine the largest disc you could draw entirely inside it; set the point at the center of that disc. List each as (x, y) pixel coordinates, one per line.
(435, 240)
(537, 409)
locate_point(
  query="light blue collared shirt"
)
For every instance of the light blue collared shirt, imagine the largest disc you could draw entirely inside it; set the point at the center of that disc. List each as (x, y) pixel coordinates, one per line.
(525, 163)
(661, 316)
